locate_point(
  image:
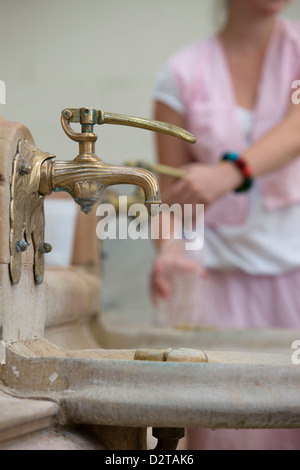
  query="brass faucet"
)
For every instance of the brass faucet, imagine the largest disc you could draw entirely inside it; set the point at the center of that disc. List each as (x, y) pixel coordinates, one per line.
(36, 174)
(87, 176)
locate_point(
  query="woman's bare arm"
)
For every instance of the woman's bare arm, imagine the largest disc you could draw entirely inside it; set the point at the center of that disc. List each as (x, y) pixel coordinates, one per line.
(278, 147)
(170, 151)
(208, 183)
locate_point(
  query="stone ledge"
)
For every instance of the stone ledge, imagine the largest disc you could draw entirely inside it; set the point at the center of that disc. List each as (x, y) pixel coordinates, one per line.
(72, 292)
(19, 417)
(67, 294)
(50, 439)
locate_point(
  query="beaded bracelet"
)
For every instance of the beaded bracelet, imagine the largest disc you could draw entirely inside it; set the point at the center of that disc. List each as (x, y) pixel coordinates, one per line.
(243, 166)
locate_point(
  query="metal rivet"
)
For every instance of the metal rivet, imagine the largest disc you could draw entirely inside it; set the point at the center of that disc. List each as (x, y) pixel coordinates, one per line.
(46, 248)
(21, 245)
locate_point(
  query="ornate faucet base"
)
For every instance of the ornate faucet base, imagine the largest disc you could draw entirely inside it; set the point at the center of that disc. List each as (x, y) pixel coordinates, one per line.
(27, 221)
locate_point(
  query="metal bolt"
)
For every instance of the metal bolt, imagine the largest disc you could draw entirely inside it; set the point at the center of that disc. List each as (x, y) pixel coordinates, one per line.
(46, 248)
(67, 114)
(25, 169)
(21, 246)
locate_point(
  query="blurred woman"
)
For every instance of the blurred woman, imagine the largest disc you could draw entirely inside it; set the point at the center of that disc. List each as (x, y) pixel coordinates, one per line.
(233, 91)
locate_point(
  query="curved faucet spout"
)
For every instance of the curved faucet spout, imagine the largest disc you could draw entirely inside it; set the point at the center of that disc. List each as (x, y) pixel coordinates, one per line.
(86, 183)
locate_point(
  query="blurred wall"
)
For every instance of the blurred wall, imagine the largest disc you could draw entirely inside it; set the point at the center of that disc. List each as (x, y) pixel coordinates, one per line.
(1, 46)
(97, 53)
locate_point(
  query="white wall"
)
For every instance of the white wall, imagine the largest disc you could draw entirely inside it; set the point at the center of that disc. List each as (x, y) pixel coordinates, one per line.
(1, 45)
(98, 53)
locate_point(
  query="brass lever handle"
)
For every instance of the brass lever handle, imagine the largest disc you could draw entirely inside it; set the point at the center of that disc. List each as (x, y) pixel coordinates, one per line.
(149, 124)
(88, 117)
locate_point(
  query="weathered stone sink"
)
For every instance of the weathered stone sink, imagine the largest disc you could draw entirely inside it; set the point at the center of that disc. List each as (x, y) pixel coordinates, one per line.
(56, 348)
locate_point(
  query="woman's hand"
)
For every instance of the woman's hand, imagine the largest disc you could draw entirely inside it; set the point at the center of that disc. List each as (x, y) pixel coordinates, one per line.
(204, 184)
